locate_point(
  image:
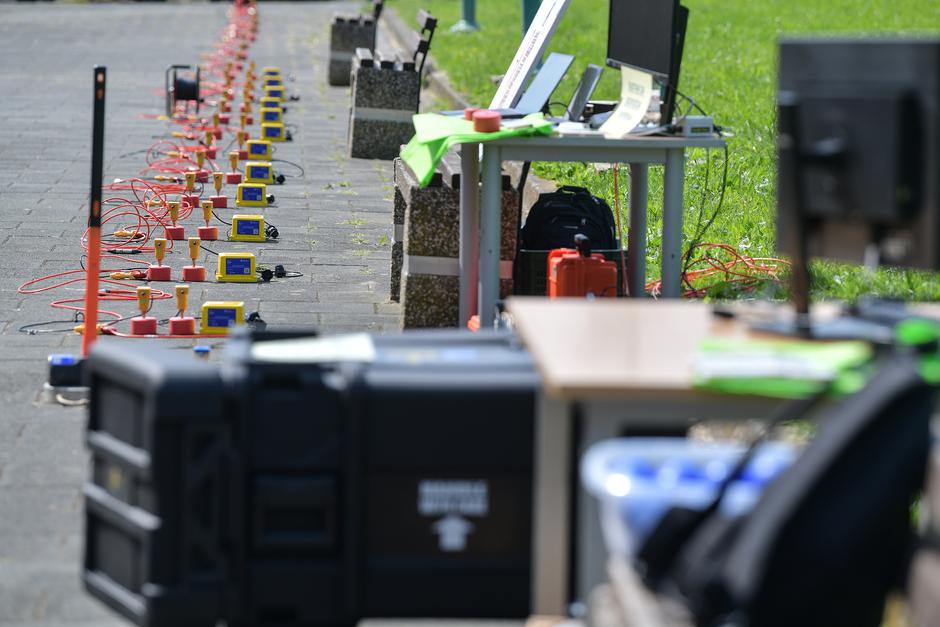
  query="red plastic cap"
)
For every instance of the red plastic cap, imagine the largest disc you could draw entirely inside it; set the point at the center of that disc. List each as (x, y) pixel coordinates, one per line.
(468, 113)
(486, 121)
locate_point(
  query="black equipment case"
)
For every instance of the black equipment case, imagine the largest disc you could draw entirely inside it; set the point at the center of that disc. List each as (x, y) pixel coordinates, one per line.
(388, 476)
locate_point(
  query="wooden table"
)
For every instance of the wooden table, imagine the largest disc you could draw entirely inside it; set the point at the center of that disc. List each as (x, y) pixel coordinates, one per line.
(620, 365)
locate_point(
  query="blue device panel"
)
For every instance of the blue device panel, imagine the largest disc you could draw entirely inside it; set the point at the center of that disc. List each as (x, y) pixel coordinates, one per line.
(248, 227)
(270, 116)
(275, 93)
(259, 149)
(272, 81)
(238, 265)
(273, 132)
(252, 193)
(260, 172)
(221, 317)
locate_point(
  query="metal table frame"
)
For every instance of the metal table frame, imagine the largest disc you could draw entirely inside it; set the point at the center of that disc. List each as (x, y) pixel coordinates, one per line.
(480, 209)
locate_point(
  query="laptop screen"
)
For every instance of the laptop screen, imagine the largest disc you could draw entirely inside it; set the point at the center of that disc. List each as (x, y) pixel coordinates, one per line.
(543, 85)
(585, 88)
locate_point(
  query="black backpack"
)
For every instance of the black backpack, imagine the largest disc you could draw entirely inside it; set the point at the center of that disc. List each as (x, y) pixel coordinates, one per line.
(828, 539)
(558, 216)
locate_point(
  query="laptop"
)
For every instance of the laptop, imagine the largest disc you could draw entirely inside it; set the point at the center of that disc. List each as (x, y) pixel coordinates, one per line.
(540, 89)
(579, 100)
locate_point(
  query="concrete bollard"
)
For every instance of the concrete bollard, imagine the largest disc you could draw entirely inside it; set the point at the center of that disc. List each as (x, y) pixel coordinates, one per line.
(384, 99)
(347, 33)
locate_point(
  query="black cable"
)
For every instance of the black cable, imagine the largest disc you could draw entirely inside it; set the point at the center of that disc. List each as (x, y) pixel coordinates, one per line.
(30, 329)
(131, 154)
(692, 102)
(165, 321)
(220, 219)
(291, 163)
(561, 104)
(208, 250)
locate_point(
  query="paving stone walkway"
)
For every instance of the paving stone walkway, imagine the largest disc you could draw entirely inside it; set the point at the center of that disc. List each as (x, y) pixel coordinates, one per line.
(334, 223)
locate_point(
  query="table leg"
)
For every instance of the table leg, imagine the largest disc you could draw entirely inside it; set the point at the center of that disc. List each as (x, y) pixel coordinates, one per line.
(636, 238)
(672, 222)
(552, 506)
(469, 231)
(490, 231)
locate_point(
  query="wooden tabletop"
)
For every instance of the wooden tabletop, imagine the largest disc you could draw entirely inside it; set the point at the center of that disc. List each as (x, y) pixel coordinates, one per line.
(615, 347)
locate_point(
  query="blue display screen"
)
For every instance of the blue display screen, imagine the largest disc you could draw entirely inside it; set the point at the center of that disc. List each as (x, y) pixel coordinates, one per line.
(251, 193)
(260, 172)
(270, 116)
(248, 227)
(221, 317)
(238, 265)
(275, 93)
(259, 149)
(272, 81)
(272, 131)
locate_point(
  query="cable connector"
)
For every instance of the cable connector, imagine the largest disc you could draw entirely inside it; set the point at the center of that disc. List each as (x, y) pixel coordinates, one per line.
(80, 329)
(135, 275)
(128, 234)
(123, 251)
(255, 322)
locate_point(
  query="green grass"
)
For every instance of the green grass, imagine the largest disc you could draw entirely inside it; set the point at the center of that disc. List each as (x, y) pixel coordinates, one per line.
(729, 67)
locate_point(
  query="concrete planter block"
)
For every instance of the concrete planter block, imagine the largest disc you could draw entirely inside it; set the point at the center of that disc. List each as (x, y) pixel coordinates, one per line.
(347, 33)
(429, 284)
(384, 99)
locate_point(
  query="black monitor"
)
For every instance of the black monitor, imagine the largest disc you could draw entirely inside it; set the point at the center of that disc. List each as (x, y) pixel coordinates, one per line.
(859, 154)
(649, 35)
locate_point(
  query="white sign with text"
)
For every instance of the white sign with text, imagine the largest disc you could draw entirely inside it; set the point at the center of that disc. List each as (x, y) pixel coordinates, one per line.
(530, 51)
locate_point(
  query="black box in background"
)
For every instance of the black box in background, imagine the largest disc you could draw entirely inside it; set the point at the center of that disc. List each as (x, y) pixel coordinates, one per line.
(277, 492)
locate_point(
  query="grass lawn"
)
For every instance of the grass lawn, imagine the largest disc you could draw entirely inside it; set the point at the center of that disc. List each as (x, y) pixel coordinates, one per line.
(730, 68)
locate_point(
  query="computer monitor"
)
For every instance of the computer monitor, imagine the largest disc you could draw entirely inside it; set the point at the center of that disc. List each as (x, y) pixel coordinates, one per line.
(859, 154)
(649, 35)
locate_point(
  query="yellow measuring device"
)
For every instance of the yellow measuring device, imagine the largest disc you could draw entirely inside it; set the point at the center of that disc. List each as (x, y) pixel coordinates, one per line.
(270, 103)
(247, 228)
(273, 131)
(252, 195)
(259, 172)
(218, 316)
(271, 114)
(236, 268)
(259, 149)
(275, 92)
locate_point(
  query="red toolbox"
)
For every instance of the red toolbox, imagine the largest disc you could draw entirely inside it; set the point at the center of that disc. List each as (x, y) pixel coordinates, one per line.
(576, 272)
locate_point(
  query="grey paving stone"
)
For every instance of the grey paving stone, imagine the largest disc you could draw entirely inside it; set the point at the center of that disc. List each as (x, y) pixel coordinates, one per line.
(44, 146)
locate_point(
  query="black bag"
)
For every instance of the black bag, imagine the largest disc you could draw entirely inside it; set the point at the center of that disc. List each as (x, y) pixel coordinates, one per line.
(831, 536)
(556, 217)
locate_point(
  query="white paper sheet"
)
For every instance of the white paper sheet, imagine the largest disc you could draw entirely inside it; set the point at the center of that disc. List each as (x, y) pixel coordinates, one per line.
(357, 347)
(636, 92)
